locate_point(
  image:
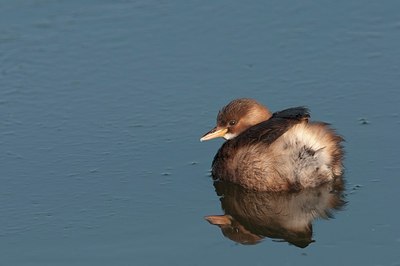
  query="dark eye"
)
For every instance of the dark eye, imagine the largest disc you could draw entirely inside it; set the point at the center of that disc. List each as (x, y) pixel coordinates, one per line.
(232, 122)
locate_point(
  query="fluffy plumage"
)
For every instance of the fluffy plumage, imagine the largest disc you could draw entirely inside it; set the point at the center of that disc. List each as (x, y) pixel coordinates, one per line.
(275, 153)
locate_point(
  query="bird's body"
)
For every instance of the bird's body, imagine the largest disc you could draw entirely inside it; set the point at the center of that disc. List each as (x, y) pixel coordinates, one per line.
(277, 152)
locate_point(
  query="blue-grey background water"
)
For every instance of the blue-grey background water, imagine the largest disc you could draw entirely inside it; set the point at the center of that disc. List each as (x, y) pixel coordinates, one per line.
(102, 104)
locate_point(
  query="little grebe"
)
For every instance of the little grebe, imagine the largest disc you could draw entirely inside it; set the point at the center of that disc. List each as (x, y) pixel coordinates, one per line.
(274, 152)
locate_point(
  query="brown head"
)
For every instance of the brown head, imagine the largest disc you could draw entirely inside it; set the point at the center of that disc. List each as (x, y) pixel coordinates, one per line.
(236, 117)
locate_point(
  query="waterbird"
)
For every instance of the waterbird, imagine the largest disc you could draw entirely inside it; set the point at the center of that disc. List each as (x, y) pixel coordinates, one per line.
(279, 151)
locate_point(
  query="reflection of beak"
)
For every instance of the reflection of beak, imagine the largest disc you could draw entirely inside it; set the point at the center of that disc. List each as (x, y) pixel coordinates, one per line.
(216, 132)
(219, 219)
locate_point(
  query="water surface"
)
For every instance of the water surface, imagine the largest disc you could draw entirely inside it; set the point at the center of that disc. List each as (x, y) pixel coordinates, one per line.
(102, 104)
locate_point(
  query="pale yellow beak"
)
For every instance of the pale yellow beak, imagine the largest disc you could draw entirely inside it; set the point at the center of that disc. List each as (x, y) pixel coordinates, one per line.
(216, 132)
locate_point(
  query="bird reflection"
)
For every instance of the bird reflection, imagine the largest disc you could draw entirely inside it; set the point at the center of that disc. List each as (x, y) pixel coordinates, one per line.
(251, 215)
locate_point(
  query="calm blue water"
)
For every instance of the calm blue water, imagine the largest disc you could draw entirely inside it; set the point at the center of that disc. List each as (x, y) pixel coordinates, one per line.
(102, 104)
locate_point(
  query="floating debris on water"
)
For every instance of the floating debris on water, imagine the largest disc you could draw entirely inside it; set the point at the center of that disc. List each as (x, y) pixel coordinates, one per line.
(166, 173)
(363, 121)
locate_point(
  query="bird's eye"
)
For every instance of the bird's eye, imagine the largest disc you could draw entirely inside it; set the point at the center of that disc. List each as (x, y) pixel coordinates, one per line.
(232, 122)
